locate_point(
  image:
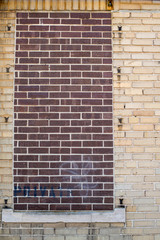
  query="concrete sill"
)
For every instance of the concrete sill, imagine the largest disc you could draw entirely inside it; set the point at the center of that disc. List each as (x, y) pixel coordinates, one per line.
(116, 216)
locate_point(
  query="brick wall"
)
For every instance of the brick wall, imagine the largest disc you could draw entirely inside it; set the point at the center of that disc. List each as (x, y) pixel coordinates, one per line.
(7, 41)
(136, 117)
(63, 112)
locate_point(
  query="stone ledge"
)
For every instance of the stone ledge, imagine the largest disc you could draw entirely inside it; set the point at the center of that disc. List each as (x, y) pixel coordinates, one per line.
(116, 216)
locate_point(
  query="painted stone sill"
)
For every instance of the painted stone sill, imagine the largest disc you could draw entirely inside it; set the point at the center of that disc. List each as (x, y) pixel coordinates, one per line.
(116, 216)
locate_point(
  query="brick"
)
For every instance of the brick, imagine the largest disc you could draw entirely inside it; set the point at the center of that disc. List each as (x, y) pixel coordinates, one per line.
(101, 54)
(38, 54)
(38, 15)
(71, 47)
(59, 54)
(71, 34)
(80, 123)
(80, 54)
(91, 21)
(143, 237)
(29, 34)
(101, 28)
(21, 28)
(133, 91)
(29, 74)
(141, 28)
(144, 15)
(70, 60)
(29, 21)
(80, 67)
(143, 113)
(60, 28)
(38, 137)
(149, 120)
(71, 74)
(21, 67)
(145, 35)
(101, 41)
(21, 54)
(101, 15)
(50, 60)
(49, 74)
(92, 47)
(30, 60)
(50, 47)
(49, 34)
(92, 74)
(38, 67)
(70, 21)
(50, 21)
(143, 127)
(53, 237)
(143, 98)
(92, 34)
(107, 22)
(80, 41)
(151, 49)
(59, 15)
(80, 28)
(101, 68)
(22, 15)
(80, 15)
(38, 28)
(37, 41)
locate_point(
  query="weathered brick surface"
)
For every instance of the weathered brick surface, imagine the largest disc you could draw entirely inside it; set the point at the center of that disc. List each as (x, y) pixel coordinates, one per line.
(6, 103)
(63, 109)
(136, 146)
(137, 119)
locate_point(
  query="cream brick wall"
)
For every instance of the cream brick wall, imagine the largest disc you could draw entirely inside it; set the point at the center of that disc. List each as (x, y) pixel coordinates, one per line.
(136, 52)
(137, 175)
(6, 103)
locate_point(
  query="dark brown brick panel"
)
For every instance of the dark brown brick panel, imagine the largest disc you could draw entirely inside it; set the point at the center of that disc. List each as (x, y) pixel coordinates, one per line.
(63, 157)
